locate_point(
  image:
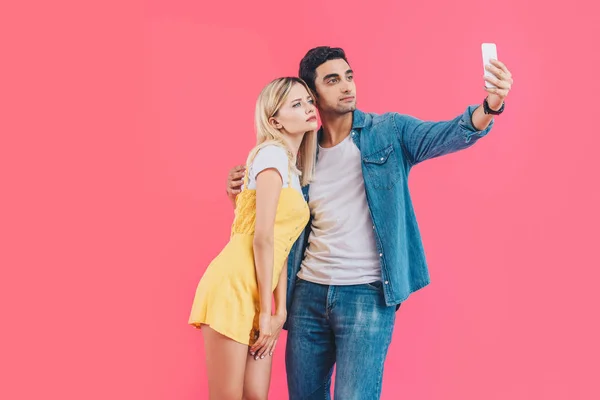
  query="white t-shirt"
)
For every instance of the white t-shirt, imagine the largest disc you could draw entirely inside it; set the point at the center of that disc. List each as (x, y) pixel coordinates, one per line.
(272, 156)
(341, 248)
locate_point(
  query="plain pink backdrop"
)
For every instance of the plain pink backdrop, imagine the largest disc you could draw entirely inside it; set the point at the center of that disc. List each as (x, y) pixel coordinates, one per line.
(120, 120)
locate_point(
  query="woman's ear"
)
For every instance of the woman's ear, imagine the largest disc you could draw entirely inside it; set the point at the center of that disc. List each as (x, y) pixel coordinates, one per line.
(275, 124)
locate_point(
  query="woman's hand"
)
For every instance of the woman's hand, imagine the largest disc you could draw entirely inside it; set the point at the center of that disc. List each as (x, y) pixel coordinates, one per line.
(269, 329)
(277, 322)
(264, 336)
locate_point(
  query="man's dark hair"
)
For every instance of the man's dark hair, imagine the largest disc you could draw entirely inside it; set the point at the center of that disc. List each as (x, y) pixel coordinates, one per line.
(313, 59)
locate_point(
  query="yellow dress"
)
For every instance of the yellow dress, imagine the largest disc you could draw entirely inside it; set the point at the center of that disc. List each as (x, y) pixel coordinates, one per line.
(227, 295)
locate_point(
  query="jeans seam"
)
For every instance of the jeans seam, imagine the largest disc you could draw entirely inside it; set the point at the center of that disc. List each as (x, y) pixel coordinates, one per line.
(323, 387)
(331, 301)
(380, 372)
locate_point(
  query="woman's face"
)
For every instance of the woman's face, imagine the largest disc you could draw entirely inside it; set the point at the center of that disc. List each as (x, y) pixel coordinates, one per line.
(297, 115)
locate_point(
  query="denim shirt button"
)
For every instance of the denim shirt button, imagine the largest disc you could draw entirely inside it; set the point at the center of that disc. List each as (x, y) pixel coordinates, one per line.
(387, 282)
(380, 254)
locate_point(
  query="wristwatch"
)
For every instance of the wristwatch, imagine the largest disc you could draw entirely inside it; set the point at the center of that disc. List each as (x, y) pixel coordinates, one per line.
(488, 110)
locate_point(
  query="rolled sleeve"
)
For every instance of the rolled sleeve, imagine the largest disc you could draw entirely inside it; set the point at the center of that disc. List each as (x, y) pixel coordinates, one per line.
(466, 123)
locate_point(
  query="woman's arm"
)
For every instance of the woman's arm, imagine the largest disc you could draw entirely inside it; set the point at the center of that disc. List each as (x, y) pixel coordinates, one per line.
(280, 312)
(280, 294)
(268, 189)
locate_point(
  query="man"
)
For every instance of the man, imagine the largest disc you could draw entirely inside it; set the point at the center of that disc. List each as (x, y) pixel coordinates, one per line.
(361, 254)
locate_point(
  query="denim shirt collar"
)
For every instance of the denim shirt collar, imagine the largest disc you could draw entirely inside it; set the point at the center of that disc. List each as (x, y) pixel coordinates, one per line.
(358, 122)
(358, 119)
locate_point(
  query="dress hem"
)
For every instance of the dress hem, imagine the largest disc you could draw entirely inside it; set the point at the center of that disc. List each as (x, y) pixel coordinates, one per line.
(224, 332)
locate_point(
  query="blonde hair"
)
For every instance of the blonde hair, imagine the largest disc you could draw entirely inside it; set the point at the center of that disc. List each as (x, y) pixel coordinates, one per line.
(269, 102)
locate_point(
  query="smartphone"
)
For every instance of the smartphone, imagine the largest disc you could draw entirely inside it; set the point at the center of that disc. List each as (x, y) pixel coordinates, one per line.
(488, 51)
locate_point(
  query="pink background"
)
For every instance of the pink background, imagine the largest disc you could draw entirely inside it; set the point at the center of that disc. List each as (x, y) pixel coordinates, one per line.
(120, 120)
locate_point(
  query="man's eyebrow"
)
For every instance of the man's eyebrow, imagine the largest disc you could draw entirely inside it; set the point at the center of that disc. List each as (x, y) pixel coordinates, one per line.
(334, 75)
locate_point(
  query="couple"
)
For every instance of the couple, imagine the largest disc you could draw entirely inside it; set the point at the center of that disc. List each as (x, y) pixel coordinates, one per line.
(340, 255)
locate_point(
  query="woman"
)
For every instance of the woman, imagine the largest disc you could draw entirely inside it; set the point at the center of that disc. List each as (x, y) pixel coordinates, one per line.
(233, 300)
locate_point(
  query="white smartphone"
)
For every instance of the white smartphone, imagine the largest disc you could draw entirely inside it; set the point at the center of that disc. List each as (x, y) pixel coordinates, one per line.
(488, 51)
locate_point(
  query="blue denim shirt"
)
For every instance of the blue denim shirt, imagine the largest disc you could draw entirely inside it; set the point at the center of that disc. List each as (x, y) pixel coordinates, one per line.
(390, 145)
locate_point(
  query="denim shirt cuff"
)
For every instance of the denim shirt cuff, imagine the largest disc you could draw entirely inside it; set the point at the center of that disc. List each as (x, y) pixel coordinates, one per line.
(467, 125)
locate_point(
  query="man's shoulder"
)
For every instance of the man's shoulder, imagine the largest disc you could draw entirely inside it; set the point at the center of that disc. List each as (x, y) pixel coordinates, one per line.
(379, 120)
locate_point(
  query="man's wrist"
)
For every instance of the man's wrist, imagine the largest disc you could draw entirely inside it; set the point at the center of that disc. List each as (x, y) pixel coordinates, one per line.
(492, 107)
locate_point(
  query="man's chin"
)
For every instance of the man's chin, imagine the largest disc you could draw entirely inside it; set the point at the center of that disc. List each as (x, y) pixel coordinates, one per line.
(347, 108)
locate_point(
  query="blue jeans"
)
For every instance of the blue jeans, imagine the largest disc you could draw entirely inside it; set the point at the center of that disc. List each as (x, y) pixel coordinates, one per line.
(347, 325)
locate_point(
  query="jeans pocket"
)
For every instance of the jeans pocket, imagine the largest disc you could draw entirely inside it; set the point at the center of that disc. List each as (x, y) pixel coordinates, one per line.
(377, 285)
(299, 282)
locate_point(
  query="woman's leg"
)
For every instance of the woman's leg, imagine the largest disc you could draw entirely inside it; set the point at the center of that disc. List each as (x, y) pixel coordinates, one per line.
(225, 365)
(257, 378)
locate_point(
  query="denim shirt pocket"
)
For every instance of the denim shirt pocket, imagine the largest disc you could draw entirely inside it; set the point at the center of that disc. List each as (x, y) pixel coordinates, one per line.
(382, 168)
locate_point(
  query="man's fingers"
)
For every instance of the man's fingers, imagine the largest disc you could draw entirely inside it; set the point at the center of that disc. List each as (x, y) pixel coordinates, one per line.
(500, 65)
(233, 189)
(492, 80)
(501, 84)
(500, 92)
(240, 169)
(235, 180)
(236, 183)
(236, 171)
(238, 175)
(498, 73)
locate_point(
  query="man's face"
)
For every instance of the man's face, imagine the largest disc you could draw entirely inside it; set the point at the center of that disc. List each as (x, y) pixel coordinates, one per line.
(335, 87)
